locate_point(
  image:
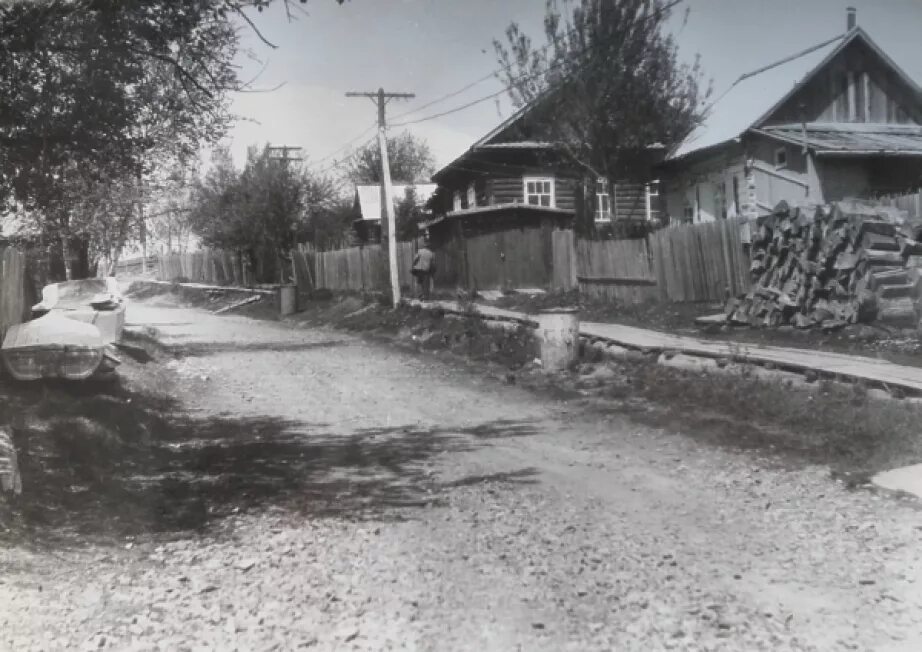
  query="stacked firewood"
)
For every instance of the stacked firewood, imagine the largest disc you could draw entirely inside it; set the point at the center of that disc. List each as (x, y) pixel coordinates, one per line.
(829, 266)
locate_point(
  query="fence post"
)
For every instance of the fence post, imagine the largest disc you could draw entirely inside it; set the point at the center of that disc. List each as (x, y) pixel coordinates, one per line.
(647, 205)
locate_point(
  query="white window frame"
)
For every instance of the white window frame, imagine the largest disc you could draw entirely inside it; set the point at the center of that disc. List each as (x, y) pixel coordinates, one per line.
(602, 192)
(784, 152)
(552, 197)
(456, 200)
(471, 196)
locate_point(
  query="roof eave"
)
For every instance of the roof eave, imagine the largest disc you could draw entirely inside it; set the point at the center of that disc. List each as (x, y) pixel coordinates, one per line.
(520, 113)
(699, 153)
(869, 152)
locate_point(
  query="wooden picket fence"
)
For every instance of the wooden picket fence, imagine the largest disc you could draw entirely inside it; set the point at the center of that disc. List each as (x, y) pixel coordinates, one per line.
(696, 262)
(13, 305)
(909, 202)
(360, 269)
(212, 267)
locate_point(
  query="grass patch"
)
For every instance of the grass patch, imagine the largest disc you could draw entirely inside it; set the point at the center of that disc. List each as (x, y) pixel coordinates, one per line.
(826, 423)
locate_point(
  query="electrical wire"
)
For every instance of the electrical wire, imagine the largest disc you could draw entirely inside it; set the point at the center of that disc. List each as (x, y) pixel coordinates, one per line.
(347, 144)
(339, 162)
(509, 87)
(495, 73)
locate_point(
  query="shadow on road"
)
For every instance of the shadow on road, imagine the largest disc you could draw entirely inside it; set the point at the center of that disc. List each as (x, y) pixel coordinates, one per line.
(201, 350)
(99, 465)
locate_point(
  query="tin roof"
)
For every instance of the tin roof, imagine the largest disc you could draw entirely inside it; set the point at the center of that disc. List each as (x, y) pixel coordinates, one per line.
(368, 197)
(753, 98)
(754, 95)
(870, 139)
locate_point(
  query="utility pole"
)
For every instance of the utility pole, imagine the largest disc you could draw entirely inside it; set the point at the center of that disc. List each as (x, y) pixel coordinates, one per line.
(284, 158)
(284, 149)
(380, 99)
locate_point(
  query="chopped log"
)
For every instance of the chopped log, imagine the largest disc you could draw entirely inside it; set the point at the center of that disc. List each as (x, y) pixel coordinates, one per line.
(879, 242)
(883, 258)
(888, 277)
(846, 261)
(898, 311)
(867, 307)
(911, 248)
(830, 325)
(896, 291)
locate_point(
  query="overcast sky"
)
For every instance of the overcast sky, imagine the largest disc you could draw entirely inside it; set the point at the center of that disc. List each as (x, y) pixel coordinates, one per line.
(435, 47)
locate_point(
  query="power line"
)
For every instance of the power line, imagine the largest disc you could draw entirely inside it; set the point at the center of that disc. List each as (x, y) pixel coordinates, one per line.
(447, 95)
(349, 142)
(338, 162)
(509, 87)
(496, 72)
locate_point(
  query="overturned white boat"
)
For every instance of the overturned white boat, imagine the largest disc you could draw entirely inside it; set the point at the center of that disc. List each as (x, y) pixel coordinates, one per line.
(55, 346)
(94, 301)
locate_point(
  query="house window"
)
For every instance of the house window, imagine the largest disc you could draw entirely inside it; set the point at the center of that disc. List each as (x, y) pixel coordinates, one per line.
(602, 201)
(781, 158)
(653, 188)
(471, 196)
(456, 201)
(539, 191)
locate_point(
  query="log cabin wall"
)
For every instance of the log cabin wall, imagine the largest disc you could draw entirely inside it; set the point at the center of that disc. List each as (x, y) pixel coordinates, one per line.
(511, 189)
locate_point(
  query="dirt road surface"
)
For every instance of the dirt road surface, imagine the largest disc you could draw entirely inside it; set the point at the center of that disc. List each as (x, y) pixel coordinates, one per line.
(337, 494)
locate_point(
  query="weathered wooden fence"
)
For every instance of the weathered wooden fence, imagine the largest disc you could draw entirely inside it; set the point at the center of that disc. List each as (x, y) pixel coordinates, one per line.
(564, 257)
(618, 270)
(911, 203)
(130, 266)
(698, 262)
(212, 267)
(361, 268)
(14, 308)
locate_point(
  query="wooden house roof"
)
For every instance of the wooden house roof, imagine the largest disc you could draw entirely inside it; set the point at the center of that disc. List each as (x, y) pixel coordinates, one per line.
(837, 138)
(755, 96)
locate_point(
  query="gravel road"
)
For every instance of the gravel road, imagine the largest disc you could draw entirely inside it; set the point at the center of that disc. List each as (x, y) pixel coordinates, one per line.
(352, 496)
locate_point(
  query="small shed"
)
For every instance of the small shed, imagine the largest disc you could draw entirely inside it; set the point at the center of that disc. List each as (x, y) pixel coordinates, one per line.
(502, 246)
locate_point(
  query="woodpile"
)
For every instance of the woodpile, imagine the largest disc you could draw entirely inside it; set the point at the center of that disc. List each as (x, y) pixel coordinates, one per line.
(830, 266)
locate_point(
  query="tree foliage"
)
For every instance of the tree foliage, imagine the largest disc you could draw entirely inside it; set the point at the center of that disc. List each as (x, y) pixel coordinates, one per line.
(99, 94)
(408, 215)
(264, 207)
(409, 157)
(607, 84)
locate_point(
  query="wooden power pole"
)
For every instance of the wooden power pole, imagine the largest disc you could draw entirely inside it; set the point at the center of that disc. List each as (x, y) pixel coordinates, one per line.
(284, 159)
(380, 98)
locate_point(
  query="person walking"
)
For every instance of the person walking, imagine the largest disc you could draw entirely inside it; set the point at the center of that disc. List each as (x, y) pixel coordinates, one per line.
(424, 269)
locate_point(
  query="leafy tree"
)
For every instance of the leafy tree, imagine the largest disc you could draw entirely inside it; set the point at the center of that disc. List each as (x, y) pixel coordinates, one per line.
(607, 84)
(409, 157)
(408, 215)
(329, 225)
(108, 89)
(264, 207)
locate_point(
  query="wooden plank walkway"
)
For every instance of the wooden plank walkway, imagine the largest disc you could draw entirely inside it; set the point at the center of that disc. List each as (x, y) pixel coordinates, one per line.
(852, 367)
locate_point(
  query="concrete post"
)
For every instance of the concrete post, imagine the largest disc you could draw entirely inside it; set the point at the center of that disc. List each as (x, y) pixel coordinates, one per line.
(288, 300)
(558, 338)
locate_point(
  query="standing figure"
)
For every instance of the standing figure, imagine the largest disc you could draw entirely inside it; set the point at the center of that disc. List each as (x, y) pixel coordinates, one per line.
(424, 269)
